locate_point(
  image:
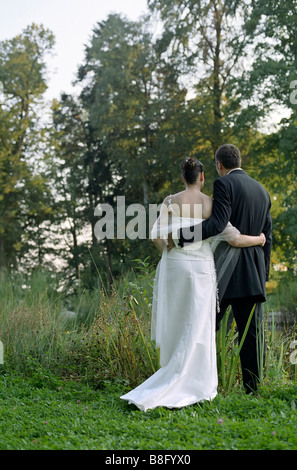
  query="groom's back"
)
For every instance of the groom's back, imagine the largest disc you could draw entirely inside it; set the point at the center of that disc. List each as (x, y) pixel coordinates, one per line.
(250, 203)
(250, 211)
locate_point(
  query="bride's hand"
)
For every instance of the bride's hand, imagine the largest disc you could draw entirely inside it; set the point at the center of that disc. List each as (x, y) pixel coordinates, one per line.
(264, 239)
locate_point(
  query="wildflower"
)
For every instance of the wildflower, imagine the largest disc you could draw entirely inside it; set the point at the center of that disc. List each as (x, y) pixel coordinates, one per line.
(220, 421)
(60, 388)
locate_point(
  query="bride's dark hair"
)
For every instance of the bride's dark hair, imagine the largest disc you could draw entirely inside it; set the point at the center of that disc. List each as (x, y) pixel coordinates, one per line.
(191, 167)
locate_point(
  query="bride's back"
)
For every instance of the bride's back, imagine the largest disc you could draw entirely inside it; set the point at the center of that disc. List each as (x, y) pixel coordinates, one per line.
(191, 203)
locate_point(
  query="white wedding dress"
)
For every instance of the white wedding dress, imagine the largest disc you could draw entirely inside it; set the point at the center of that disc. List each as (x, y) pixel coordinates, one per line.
(183, 326)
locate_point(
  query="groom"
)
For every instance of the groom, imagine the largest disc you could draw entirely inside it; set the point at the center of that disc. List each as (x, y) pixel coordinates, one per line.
(246, 204)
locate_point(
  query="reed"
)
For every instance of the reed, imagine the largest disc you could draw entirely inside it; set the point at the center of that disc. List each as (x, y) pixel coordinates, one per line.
(228, 351)
(121, 334)
(273, 353)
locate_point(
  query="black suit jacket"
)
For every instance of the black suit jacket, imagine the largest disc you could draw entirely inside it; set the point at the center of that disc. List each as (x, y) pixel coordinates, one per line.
(244, 202)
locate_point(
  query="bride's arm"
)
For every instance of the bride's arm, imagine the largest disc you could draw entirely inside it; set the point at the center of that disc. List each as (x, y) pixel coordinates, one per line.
(236, 239)
(159, 233)
(245, 241)
(159, 243)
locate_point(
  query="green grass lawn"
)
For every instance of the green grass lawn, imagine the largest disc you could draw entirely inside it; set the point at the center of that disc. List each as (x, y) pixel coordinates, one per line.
(45, 413)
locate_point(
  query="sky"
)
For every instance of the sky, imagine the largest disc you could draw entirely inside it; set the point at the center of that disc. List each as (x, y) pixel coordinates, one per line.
(72, 22)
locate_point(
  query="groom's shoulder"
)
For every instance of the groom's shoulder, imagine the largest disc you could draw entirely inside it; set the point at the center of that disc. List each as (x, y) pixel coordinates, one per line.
(221, 181)
(222, 185)
(236, 178)
(241, 177)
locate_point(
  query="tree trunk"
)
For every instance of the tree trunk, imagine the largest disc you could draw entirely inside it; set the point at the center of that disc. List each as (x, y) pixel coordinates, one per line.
(217, 90)
(2, 255)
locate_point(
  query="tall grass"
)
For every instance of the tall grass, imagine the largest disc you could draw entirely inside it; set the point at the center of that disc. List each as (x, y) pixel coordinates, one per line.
(228, 351)
(120, 334)
(32, 327)
(273, 352)
(109, 335)
(118, 341)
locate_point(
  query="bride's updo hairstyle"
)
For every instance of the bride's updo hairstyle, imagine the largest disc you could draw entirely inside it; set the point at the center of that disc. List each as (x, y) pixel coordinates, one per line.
(191, 167)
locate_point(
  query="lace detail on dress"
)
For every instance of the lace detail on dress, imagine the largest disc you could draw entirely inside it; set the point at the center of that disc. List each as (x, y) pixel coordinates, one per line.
(218, 298)
(170, 209)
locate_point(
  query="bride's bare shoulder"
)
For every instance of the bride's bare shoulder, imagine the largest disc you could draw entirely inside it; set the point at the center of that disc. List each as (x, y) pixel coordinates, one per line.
(207, 199)
(176, 198)
(178, 195)
(207, 206)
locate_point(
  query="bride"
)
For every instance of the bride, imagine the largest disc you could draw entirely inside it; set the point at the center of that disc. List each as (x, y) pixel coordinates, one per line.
(186, 299)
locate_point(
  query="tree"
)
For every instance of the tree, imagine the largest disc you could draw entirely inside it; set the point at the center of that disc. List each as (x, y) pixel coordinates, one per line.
(23, 190)
(135, 109)
(209, 39)
(270, 83)
(82, 177)
(132, 96)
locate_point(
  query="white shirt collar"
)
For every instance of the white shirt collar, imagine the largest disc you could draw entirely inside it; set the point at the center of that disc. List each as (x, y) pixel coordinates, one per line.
(233, 169)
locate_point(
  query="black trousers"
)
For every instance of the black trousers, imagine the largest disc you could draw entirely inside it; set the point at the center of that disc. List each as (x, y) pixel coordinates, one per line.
(249, 354)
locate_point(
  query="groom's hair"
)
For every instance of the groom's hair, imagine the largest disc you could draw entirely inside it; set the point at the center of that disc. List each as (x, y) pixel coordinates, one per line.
(229, 156)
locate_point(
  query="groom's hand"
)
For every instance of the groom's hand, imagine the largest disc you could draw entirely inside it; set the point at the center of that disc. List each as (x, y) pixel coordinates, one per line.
(170, 243)
(189, 235)
(180, 238)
